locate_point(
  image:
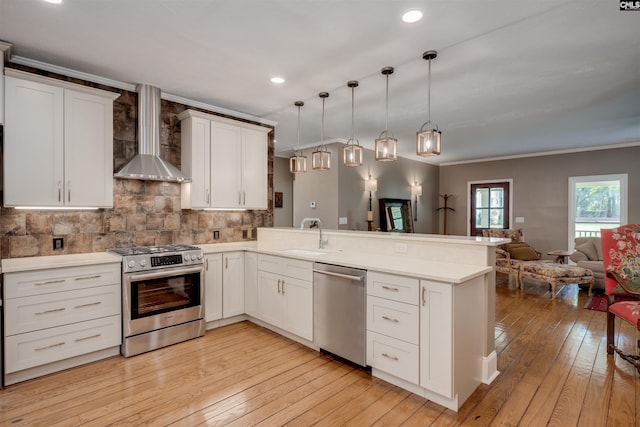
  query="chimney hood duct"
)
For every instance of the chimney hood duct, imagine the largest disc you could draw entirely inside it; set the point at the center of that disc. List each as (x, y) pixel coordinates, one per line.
(147, 164)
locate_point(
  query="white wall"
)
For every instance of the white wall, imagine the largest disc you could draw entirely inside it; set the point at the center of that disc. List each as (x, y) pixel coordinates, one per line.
(283, 182)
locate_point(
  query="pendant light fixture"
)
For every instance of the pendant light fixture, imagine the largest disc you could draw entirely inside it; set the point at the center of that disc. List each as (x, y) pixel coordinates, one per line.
(386, 144)
(298, 162)
(428, 142)
(352, 154)
(321, 158)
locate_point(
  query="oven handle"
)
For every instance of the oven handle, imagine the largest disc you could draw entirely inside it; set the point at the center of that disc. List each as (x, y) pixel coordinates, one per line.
(136, 277)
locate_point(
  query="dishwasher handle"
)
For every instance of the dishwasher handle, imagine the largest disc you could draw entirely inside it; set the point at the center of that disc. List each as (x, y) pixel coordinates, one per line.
(343, 276)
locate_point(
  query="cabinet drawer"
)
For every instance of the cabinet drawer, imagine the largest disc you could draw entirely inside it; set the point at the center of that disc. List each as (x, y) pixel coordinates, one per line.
(393, 356)
(394, 319)
(295, 268)
(396, 288)
(50, 345)
(36, 312)
(39, 282)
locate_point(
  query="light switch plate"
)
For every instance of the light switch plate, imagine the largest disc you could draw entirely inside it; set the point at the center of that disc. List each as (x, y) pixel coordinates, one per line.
(520, 220)
(343, 220)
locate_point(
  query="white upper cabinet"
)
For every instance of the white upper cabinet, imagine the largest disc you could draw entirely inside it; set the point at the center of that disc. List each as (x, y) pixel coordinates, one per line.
(226, 160)
(5, 48)
(58, 146)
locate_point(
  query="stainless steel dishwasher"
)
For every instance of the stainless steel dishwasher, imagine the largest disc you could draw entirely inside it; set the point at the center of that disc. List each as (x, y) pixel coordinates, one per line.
(339, 311)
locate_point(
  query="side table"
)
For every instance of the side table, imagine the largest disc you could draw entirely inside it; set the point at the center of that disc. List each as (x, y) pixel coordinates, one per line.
(561, 256)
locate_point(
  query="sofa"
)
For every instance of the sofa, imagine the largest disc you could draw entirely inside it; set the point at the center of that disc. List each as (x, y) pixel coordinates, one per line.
(588, 254)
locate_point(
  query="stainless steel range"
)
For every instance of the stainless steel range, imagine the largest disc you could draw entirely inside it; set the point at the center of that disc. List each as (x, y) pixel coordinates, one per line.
(162, 296)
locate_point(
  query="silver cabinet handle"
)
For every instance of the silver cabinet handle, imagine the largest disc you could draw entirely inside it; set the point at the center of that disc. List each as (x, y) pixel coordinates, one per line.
(283, 287)
(88, 338)
(207, 195)
(244, 199)
(50, 346)
(97, 276)
(424, 295)
(389, 288)
(49, 282)
(88, 304)
(55, 310)
(59, 191)
(239, 198)
(69, 191)
(207, 264)
(226, 263)
(390, 356)
(279, 286)
(390, 319)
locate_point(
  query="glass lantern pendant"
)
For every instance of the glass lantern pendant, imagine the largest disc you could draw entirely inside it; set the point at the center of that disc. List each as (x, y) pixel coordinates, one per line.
(428, 142)
(298, 162)
(352, 154)
(386, 144)
(321, 158)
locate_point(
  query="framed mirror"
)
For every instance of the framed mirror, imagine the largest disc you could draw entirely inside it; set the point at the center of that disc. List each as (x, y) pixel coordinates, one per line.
(395, 215)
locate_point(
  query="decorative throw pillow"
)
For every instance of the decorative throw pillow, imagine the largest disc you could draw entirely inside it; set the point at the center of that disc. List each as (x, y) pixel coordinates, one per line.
(524, 253)
(589, 249)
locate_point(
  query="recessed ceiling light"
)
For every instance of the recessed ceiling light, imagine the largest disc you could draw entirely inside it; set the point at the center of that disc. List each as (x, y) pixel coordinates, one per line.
(411, 16)
(54, 1)
(277, 80)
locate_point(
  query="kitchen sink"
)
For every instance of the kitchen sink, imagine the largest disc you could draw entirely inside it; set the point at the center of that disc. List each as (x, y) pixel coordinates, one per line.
(304, 252)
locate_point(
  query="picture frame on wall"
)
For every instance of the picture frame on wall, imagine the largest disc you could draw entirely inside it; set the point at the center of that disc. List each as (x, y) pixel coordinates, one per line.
(277, 199)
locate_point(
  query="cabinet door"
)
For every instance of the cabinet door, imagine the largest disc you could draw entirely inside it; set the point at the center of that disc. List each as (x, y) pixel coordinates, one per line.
(270, 300)
(233, 284)
(298, 296)
(196, 155)
(251, 284)
(88, 150)
(225, 166)
(33, 143)
(213, 287)
(436, 314)
(254, 169)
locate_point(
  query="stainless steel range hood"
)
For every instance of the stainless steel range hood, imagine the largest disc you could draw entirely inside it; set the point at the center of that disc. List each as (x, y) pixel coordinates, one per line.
(147, 164)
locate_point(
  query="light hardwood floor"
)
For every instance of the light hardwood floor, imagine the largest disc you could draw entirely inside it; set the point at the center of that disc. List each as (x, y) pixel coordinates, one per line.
(551, 355)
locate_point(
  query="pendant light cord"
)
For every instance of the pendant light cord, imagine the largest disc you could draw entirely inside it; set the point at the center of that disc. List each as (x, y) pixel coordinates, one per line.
(386, 122)
(298, 128)
(353, 129)
(429, 94)
(322, 128)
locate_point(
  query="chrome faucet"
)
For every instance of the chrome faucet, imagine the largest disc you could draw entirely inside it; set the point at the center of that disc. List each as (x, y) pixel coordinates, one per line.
(314, 222)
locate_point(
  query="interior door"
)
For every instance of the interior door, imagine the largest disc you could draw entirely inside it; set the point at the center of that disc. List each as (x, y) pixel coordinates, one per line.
(489, 206)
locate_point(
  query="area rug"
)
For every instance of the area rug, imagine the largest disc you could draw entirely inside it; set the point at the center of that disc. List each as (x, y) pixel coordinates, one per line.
(598, 302)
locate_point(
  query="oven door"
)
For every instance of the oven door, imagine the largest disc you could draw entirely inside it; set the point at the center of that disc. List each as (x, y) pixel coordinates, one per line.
(161, 298)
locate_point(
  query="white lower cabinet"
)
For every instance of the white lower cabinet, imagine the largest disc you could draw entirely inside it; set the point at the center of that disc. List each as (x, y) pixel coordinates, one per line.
(223, 285)
(285, 294)
(60, 317)
(232, 284)
(251, 284)
(436, 329)
(426, 336)
(212, 287)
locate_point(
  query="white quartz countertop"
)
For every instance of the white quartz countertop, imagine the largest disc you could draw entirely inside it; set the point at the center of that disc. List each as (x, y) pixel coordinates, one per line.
(392, 264)
(13, 265)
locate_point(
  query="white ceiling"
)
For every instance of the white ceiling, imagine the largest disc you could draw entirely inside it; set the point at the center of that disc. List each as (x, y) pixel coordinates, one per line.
(512, 76)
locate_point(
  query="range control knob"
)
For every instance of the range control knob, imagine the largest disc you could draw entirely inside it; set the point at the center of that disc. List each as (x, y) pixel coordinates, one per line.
(143, 263)
(200, 256)
(132, 264)
(186, 258)
(193, 257)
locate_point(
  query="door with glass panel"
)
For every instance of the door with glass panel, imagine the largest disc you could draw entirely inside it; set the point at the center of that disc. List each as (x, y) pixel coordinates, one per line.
(489, 204)
(596, 202)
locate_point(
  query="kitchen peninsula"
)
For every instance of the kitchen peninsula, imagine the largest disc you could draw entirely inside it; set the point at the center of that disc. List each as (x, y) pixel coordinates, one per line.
(446, 284)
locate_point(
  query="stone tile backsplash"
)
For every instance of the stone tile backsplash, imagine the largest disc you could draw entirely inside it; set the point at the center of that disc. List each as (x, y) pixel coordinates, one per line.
(144, 212)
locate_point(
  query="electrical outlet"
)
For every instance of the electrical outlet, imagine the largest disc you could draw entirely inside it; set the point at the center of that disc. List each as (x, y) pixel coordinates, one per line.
(343, 220)
(401, 248)
(313, 205)
(58, 243)
(245, 233)
(216, 235)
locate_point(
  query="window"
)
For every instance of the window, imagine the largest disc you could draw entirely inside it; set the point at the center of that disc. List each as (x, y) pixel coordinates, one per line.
(489, 206)
(596, 202)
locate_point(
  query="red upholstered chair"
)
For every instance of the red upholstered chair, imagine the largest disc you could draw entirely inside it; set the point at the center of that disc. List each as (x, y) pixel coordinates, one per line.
(621, 254)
